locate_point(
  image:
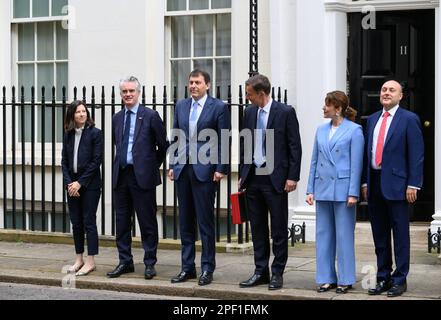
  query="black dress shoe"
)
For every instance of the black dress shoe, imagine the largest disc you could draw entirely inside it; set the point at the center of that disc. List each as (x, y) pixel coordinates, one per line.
(121, 269)
(205, 278)
(380, 287)
(184, 276)
(276, 282)
(149, 272)
(255, 280)
(397, 290)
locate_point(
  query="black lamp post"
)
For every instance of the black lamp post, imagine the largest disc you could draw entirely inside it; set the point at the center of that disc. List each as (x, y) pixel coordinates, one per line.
(254, 53)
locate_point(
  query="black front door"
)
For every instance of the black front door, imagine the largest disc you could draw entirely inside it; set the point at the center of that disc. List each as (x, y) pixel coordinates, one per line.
(402, 47)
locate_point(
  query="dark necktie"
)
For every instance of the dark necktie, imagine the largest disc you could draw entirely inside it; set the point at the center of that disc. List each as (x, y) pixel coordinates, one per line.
(125, 141)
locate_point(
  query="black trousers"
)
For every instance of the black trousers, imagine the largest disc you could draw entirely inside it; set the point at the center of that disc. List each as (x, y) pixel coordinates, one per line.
(128, 197)
(262, 197)
(82, 212)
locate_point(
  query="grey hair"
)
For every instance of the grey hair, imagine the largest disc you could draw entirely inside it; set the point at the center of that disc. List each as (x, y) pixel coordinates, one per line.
(130, 79)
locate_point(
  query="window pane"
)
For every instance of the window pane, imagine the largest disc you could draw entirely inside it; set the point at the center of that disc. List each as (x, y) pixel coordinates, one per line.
(179, 76)
(219, 4)
(205, 65)
(203, 36)
(57, 7)
(176, 5)
(26, 78)
(181, 37)
(62, 78)
(45, 41)
(223, 76)
(223, 35)
(198, 4)
(62, 42)
(26, 50)
(45, 77)
(22, 8)
(40, 8)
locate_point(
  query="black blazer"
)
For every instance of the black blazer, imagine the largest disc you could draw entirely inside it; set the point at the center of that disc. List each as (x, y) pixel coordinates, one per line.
(287, 146)
(90, 157)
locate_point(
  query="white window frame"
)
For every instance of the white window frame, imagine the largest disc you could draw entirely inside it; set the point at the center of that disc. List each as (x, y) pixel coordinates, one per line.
(192, 58)
(15, 22)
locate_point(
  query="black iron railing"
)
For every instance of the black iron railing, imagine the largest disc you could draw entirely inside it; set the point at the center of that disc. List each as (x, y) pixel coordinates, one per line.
(35, 170)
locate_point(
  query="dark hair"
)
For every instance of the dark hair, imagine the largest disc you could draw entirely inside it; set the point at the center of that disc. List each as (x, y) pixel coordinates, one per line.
(198, 72)
(69, 121)
(340, 99)
(259, 82)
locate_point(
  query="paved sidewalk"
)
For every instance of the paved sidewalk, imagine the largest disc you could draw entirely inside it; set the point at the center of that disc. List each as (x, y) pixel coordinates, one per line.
(42, 264)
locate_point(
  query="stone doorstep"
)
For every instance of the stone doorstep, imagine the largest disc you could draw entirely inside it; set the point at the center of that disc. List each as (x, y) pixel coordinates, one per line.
(109, 241)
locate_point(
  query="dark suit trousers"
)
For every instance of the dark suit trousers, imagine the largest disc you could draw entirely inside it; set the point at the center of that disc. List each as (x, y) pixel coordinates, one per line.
(128, 197)
(196, 206)
(387, 215)
(262, 197)
(82, 212)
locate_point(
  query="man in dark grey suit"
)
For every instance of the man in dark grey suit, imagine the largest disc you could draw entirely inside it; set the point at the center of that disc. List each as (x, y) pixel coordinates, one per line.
(273, 173)
(141, 145)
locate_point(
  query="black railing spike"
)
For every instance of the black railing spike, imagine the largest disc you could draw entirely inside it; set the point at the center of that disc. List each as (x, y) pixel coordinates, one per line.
(64, 90)
(164, 96)
(113, 94)
(186, 92)
(218, 92)
(273, 93)
(175, 94)
(286, 97)
(4, 92)
(22, 93)
(103, 96)
(75, 90)
(53, 94)
(93, 94)
(143, 95)
(84, 94)
(279, 95)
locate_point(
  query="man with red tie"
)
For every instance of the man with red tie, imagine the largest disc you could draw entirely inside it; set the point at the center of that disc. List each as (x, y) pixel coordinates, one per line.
(392, 176)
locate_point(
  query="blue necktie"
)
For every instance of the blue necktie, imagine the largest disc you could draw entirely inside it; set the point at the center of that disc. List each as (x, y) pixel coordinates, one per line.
(193, 118)
(125, 141)
(259, 152)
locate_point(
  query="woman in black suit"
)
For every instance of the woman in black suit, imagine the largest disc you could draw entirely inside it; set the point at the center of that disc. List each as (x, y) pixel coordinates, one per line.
(81, 160)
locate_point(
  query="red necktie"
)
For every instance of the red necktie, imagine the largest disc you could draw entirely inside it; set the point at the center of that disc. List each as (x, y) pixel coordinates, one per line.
(380, 141)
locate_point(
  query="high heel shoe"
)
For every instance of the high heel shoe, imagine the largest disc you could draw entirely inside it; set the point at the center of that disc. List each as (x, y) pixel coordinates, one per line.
(326, 287)
(85, 273)
(343, 289)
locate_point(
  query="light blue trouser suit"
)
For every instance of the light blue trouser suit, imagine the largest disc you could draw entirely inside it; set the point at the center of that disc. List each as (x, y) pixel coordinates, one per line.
(335, 235)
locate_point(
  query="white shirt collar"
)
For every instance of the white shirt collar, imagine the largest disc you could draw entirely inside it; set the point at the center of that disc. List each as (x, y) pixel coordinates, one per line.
(267, 107)
(201, 101)
(391, 111)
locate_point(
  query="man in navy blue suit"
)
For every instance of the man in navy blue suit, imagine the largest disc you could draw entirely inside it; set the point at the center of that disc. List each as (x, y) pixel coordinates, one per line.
(197, 169)
(141, 145)
(273, 173)
(393, 174)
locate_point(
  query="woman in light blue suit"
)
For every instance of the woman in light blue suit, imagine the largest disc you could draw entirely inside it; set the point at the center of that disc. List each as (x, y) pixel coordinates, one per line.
(334, 182)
